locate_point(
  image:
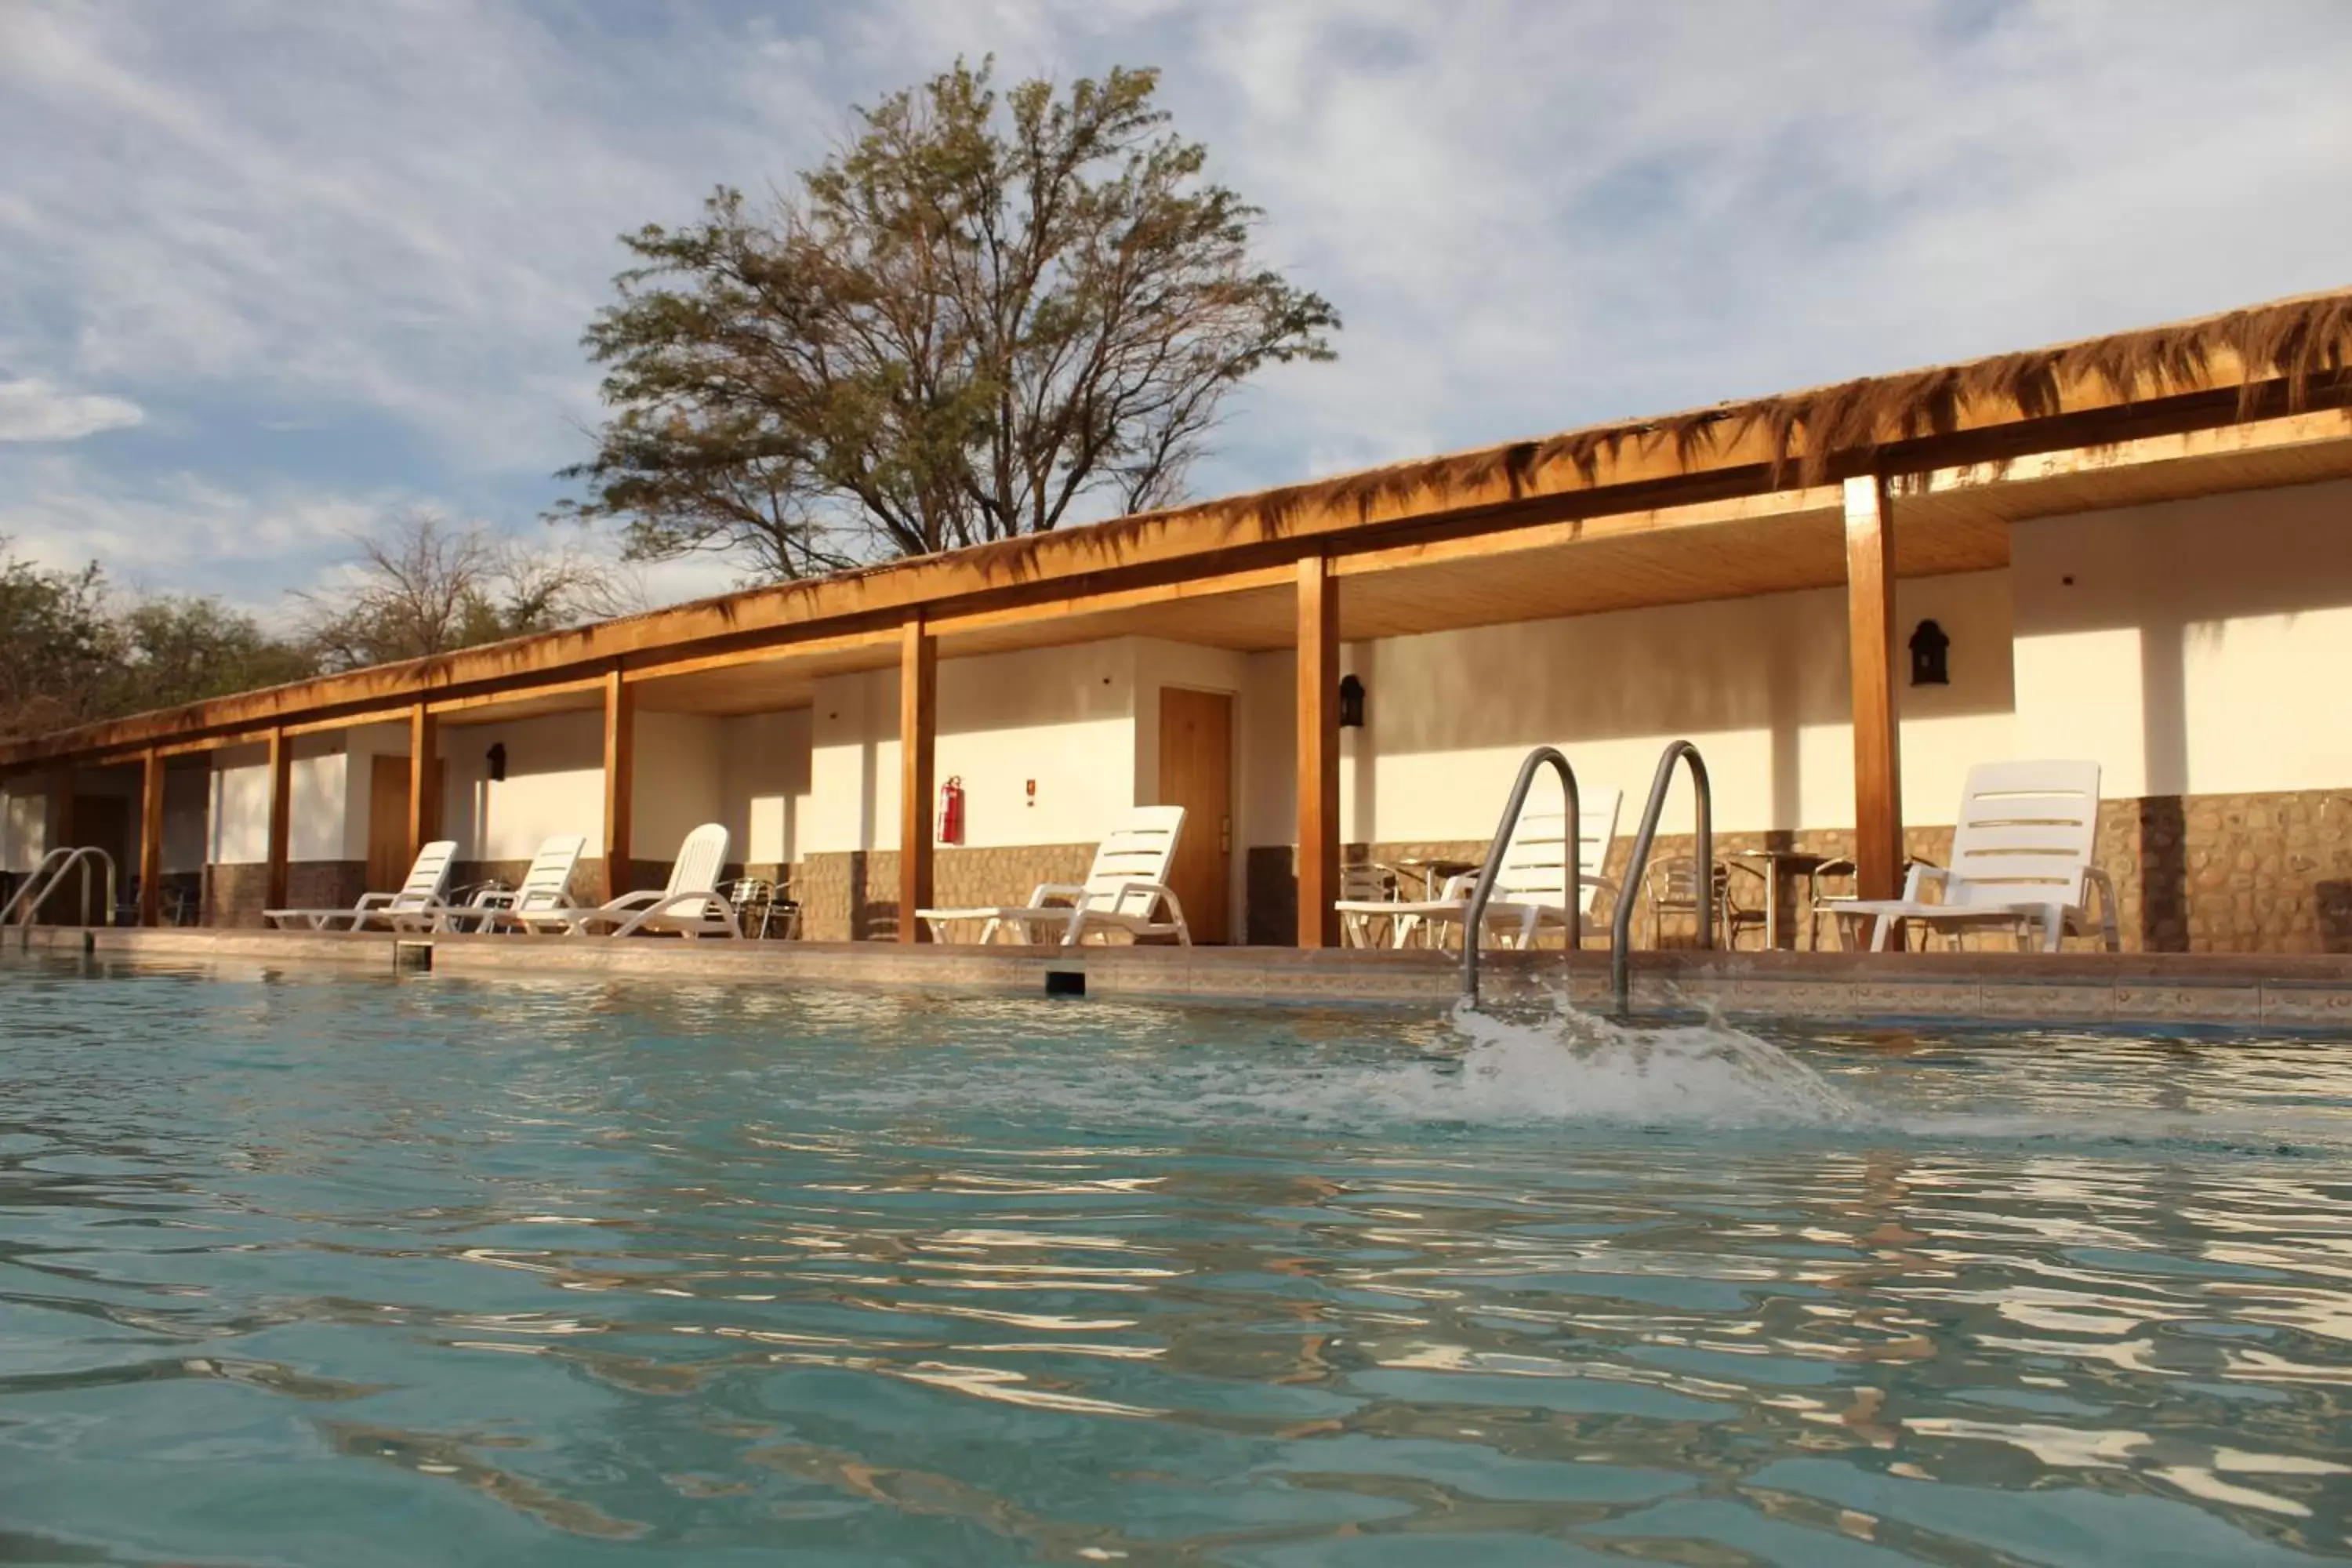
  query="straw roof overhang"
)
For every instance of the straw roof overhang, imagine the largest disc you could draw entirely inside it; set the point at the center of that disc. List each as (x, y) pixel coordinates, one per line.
(2263, 362)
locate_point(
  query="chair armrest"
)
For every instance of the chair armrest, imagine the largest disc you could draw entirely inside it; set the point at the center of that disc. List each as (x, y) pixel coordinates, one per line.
(1157, 890)
(1921, 876)
(374, 900)
(1045, 891)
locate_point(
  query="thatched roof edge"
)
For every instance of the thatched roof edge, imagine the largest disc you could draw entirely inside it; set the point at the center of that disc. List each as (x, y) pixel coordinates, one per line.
(2294, 342)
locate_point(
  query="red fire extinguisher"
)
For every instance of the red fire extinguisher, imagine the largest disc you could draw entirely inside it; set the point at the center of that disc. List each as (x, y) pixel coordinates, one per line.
(951, 810)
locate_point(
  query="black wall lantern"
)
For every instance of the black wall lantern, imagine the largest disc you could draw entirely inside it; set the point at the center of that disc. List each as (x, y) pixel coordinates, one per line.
(1351, 703)
(498, 761)
(1929, 644)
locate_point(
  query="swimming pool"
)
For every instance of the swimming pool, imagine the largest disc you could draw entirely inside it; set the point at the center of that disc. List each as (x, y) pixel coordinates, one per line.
(310, 1268)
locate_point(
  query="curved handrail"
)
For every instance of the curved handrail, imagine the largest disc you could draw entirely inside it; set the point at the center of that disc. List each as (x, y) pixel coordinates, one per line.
(33, 879)
(1621, 927)
(1474, 918)
(81, 857)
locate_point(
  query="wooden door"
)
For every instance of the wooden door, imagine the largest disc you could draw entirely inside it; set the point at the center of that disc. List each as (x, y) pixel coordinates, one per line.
(1196, 772)
(388, 857)
(102, 822)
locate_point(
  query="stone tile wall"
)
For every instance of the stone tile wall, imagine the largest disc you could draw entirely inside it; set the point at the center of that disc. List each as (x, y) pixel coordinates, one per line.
(235, 894)
(855, 897)
(2254, 873)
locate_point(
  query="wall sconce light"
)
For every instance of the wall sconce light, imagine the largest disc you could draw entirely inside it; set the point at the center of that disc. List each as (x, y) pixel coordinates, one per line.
(1928, 645)
(1351, 703)
(498, 761)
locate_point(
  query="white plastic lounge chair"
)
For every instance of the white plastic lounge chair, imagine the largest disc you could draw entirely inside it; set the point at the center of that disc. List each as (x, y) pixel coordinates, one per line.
(545, 895)
(423, 893)
(1530, 891)
(2020, 859)
(1124, 890)
(689, 905)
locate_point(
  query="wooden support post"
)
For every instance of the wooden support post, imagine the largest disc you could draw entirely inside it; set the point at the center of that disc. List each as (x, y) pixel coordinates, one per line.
(1877, 732)
(282, 817)
(1318, 753)
(919, 734)
(620, 780)
(424, 780)
(151, 840)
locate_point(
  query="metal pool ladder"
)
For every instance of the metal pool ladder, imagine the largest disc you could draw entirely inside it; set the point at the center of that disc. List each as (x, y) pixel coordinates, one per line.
(48, 876)
(1620, 931)
(1572, 853)
(1621, 925)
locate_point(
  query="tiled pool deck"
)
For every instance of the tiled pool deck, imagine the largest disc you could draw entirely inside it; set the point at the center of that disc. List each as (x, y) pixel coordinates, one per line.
(2302, 992)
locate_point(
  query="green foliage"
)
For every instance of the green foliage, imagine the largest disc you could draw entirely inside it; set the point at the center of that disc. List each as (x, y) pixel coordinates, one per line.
(978, 315)
(70, 654)
(57, 646)
(179, 649)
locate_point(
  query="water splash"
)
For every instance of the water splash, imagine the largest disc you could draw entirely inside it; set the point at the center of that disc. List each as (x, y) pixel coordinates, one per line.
(1576, 1066)
(1484, 1069)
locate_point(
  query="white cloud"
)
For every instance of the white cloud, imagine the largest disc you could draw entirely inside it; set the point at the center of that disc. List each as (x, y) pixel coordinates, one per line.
(36, 411)
(181, 532)
(1531, 214)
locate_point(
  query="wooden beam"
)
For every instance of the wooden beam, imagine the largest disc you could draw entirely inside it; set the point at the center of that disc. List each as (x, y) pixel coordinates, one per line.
(1878, 730)
(886, 638)
(282, 817)
(423, 779)
(151, 842)
(1318, 753)
(620, 780)
(587, 686)
(919, 734)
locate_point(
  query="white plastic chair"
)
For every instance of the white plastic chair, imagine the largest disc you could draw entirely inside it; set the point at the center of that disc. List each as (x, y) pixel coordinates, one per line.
(1530, 889)
(1124, 890)
(545, 895)
(2021, 859)
(424, 894)
(689, 904)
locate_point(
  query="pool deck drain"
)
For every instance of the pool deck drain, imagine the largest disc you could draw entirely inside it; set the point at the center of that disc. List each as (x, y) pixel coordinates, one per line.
(2296, 991)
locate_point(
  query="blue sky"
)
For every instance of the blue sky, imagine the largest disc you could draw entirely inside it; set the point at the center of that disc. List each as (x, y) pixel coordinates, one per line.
(271, 270)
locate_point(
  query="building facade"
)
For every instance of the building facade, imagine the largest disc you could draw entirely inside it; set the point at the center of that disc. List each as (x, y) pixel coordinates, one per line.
(2150, 569)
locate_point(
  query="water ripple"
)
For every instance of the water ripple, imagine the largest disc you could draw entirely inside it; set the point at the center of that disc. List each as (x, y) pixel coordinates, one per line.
(630, 1272)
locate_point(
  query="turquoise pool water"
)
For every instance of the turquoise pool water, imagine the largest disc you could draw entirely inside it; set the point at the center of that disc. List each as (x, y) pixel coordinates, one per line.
(346, 1272)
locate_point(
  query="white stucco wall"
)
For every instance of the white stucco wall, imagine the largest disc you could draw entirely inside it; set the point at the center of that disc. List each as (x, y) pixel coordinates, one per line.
(680, 782)
(1063, 717)
(1762, 684)
(24, 828)
(554, 784)
(240, 803)
(2198, 646)
(765, 790)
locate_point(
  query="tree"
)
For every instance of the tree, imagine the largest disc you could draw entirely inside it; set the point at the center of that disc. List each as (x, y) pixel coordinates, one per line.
(57, 646)
(71, 653)
(177, 649)
(978, 316)
(425, 587)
